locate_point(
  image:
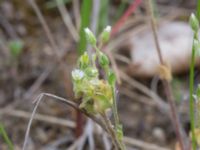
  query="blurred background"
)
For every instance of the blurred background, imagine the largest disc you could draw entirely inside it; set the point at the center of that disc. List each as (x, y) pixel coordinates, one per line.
(40, 41)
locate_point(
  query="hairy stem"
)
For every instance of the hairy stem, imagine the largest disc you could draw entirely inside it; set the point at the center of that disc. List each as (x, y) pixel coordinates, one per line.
(112, 132)
(114, 107)
(192, 121)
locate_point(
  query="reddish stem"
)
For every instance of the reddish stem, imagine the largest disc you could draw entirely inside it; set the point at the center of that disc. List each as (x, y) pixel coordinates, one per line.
(79, 124)
(125, 16)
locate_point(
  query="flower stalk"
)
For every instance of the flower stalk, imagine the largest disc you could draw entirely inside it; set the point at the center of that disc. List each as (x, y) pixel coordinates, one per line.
(194, 23)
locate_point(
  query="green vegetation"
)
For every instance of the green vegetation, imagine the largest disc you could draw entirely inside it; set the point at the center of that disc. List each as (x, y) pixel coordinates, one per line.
(5, 137)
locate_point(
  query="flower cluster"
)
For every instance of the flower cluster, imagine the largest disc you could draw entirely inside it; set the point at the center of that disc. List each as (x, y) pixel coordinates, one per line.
(96, 93)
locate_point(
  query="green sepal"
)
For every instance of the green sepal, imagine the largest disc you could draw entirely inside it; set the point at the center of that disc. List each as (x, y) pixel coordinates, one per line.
(103, 60)
(90, 37)
(105, 35)
(111, 78)
(91, 72)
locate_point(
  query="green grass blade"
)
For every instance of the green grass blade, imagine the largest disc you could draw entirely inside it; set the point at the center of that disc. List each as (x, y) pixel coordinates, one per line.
(85, 22)
(198, 10)
(103, 15)
(5, 137)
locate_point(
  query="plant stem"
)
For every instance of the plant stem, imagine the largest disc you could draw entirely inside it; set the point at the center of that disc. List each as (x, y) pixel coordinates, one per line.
(166, 83)
(192, 123)
(79, 124)
(109, 129)
(175, 118)
(114, 106)
(112, 132)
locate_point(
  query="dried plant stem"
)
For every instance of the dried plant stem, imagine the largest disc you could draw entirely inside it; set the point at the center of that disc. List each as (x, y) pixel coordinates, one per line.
(166, 83)
(76, 7)
(45, 27)
(68, 102)
(67, 19)
(110, 131)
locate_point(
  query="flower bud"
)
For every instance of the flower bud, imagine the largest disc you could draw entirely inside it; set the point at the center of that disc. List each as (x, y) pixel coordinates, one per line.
(90, 36)
(77, 74)
(84, 61)
(103, 60)
(194, 23)
(105, 36)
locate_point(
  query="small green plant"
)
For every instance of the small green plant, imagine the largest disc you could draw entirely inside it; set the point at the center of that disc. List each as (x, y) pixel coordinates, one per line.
(98, 94)
(5, 137)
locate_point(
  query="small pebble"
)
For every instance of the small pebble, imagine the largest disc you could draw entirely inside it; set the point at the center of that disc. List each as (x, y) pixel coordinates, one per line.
(159, 134)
